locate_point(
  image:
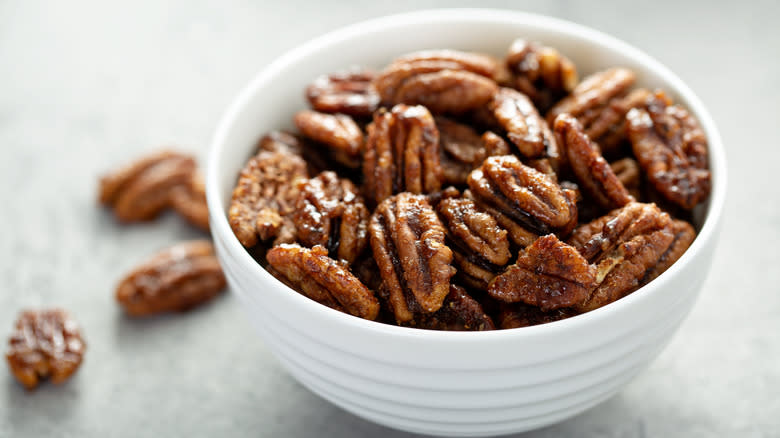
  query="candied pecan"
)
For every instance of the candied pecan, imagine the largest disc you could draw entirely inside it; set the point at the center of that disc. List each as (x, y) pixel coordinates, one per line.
(264, 197)
(495, 145)
(592, 171)
(460, 312)
(461, 148)
(338, 132)
(478, 63)
(407, 239)
(317, 276)
(402, 153)
(329, 212)
(524, 201)
(522, 315)
(627, 171)
(190, 202)
(684, 234)
(523, 124)
(140, 190)
(45, 344)
(175, 279)
(540, 72)
(672, 150)
(548, 274)
(347, 92)
(280, 141)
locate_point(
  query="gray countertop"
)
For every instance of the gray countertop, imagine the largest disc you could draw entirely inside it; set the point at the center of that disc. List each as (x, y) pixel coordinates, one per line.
(86, 85)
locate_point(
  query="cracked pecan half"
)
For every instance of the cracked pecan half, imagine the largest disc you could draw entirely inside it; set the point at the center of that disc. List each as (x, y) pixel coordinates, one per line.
(523, 200)
(330, 212)
(524, 127)
(672, 150)
(140, 190)
(593, 173)
(347, 92)
(189, 200)
(522, 315)
(407, 239)
(548, 274)
(460, 312)
(402, 153)
(462, 150)
(337, 132)
(45, 344)
(323, 279)
(265, 196)
(173, 280)
(540, 72)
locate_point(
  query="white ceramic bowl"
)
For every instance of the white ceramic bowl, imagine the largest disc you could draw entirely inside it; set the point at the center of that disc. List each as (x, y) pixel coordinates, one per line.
(452, 383)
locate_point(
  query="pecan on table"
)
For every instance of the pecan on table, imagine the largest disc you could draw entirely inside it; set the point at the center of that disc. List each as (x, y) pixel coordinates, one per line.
(549, 274)
(672, 150)
(317, 276)
(347, 92)
(540, 72)
(460, 312)
(189, 200)
(593, 172)
(330, 213)
(140, 190)
(445, 81)
(517, 315)
(407, 239)
(173, 280)
(337, 132)
(524, 127)
(401, 153)
(264, 197)
(461, 148)
(45, 344)
(524, 201)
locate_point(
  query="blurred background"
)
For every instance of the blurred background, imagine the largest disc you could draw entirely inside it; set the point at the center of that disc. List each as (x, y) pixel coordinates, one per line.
(87, 85)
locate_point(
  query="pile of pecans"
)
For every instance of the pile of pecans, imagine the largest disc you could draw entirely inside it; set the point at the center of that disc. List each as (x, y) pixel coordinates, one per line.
(455, 191)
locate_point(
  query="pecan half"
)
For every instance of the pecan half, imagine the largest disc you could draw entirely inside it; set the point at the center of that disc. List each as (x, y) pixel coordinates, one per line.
(402, 153)
(592, 171)
(329, 212)
(461, 148)
(189, 201)
(523, 124)
(176, 279)
(684, 234)
(45, 344)
(264, 197)
(337, 132)
(540, 72)
(672, 150)
(460, 312)
(548, 274)
(347, 92)
(140, 190)
(317, 276)
(522, 315)
(407, 239)
(495, 145)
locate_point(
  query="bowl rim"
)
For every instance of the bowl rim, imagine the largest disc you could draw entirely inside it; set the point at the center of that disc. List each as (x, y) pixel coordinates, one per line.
(238, 254)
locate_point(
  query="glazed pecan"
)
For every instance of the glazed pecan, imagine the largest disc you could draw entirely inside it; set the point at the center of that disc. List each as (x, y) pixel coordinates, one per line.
(176, 279)
(461, 148)
(402, 153)
(189, 200)
(523, 124)
(540, 72)
(140, 190)
(460, 312)
(522, 315)
(593, 172)
(548, 274)
(317, 276)
(407, 239)
(264, 197)
(524, 201)
(280, 141)
(672, 150)
(346, 92)
(338, 132)
(45, 344)
(329, 212)
(627, 171)
(684, 234)
(495, 145)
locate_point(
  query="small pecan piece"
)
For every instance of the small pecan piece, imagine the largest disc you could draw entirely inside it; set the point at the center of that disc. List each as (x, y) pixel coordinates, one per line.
(540, 72)
(317, 276)
(522, 315)
(337, 132)
(347, 92)
(462, 150)
(329, 212)
(402, 153)
(264, 197)
(407, 239)
(460, 312)
(173, 280)
(45, 344)
(189, 200)
(592, 171)
(523, 124)
(672, 150)
(627, 171)
(548, 274)
(140, 190)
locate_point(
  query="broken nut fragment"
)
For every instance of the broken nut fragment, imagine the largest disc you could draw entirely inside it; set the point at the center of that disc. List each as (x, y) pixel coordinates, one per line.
(525, 128)
(540, 72)
(347, 92)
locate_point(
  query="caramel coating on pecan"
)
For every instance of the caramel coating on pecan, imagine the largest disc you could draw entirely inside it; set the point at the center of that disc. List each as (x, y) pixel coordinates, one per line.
(175, 279)
(280, 141)
(495, 145)
(540, 72)
(627, 171)
(522, 315)
(593, 172)
(189, 201)
(672, 150)
(525, 128)
(460, 312)
(317, 276)
(265, 196)
(330, 212)
(684, 234)
(407, 239)
(336, 131)
(462, 150)
(402, 153)
(347, 92)
(478, 63)
(548, 274)
(45, 344)
(140, 190)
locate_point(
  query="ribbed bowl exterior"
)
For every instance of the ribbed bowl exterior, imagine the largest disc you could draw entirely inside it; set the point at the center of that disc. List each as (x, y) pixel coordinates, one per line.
(444, 383)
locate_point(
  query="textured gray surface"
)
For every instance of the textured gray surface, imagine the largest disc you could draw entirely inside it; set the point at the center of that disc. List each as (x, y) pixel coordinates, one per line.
(85, 86)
